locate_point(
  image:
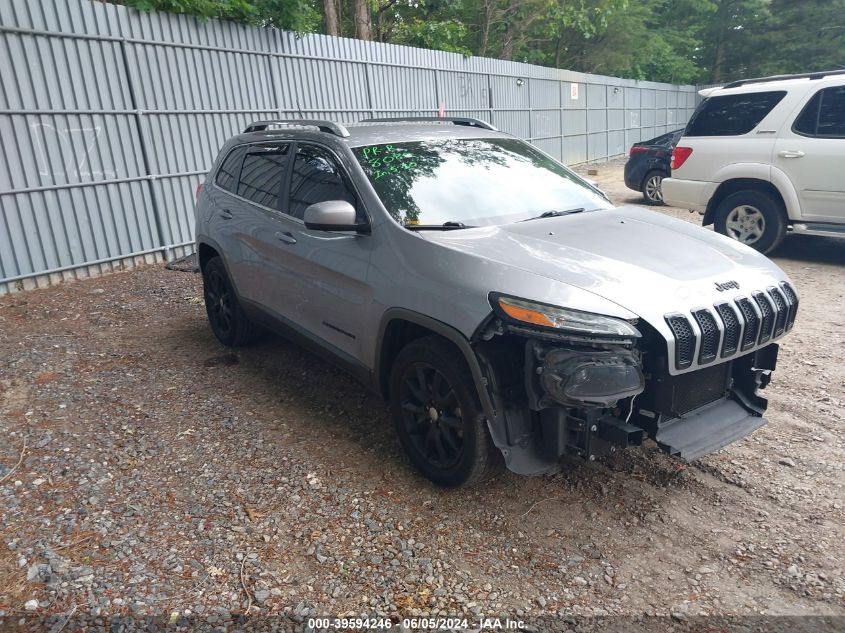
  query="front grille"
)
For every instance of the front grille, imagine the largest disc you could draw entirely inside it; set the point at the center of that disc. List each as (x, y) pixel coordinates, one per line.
(768, 319)
(729, 329)
(732, 326)
(752, 323)
(709, 336)
(782, 310)
(684, 340)
(792, 298)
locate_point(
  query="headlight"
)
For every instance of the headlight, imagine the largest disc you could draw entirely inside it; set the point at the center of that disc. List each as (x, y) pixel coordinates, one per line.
(548, 316)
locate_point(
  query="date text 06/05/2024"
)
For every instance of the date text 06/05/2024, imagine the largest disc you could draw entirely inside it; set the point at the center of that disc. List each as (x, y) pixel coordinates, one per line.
(456, 625)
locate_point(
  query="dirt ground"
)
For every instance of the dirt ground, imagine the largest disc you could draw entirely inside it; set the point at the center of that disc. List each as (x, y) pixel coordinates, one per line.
(164, 475)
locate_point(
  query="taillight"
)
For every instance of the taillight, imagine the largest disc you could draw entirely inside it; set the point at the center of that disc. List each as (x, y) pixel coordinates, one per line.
(637, 149)
(679, 156)
(197, 193)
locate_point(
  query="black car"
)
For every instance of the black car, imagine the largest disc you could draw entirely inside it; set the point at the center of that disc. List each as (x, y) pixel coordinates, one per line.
(648, 165)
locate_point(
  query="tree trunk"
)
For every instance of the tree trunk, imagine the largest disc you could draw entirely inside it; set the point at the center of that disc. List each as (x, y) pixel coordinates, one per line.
(332, 20)
(363, 24)
(716, 72)
(511, 30)
(485, 28)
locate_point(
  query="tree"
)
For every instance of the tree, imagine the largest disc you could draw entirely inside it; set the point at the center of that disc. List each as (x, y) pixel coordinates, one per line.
(802, 36)
(731, 38)
(678, 41)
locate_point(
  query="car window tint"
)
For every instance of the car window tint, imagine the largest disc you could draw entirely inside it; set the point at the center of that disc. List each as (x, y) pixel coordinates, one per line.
(809, 117)
(732, 115)
(832, 113)
(315, 178)
(227, 175)
(262, 174)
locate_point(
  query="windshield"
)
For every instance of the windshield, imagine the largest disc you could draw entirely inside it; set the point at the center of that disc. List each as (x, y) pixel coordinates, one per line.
(474, 182)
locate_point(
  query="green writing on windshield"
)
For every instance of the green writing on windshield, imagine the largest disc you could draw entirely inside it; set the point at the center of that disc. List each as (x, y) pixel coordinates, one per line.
(383, 160)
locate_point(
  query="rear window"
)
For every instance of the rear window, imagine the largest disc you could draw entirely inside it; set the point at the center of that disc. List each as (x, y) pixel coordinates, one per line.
(732, 115)
(227, 177)
(262, 174)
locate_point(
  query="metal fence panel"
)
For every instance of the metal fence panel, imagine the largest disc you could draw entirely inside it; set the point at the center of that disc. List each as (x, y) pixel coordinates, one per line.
(109, 118)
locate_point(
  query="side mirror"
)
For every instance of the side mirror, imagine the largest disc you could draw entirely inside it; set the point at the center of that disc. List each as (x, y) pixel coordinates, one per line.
(333, 215)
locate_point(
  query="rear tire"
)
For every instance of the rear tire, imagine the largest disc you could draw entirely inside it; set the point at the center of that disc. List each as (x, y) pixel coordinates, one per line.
(435, 408)
(652, 188)
(228, 321)
(753, 218)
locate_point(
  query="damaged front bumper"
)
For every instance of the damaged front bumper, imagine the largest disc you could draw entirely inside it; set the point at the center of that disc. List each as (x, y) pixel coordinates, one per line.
(589, 400)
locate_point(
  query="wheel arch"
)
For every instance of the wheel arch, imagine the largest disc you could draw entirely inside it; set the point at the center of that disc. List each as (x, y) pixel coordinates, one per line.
(734, 185)
(205, 251)
(207, 248)
(400, 326)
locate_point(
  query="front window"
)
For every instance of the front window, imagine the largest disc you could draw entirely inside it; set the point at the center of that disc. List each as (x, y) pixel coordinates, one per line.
(474, 182)
(315, 178)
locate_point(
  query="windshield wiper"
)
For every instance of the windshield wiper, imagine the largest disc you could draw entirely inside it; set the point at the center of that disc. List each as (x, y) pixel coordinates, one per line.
(446, 226)
(555, 214)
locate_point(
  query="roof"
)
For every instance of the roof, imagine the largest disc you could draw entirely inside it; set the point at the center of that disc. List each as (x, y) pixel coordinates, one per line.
(378, 133)
(778, 82)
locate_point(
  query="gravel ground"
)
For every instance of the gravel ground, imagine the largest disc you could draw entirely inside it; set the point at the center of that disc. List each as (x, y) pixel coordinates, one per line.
(164, 475)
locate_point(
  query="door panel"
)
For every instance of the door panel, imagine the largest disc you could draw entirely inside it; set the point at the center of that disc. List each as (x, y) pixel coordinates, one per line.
(811, 151)
(246, 214)
(330, 267)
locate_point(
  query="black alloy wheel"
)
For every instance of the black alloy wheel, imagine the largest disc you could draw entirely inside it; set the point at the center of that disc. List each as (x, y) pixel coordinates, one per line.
(437, 414)
(228, 321)
(432, 415)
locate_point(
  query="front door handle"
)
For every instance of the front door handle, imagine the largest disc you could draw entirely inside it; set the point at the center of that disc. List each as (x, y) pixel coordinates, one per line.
(791, 153)
(226, 214)
(286, 237)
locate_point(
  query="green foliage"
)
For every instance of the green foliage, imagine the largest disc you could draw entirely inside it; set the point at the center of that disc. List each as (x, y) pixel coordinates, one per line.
(236, 10)
(678, 41)
(301, 16)
(293, 15)
(802, 36)
(444, 35)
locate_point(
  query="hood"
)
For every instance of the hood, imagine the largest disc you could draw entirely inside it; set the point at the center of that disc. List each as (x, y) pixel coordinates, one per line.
(644, 261)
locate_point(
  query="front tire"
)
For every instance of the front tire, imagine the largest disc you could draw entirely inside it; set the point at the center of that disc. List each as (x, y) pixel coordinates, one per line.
(652, 188)
(753, 218)
(228, 321)
(435, 408)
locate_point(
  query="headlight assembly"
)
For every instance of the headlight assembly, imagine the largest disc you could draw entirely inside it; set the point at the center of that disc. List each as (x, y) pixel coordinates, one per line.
(553, 317)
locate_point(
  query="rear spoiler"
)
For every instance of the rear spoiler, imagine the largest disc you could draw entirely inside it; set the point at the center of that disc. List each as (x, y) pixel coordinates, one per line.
(706, 92)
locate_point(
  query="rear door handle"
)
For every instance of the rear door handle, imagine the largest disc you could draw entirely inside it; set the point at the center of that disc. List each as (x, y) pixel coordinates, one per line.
(791, 153)
(286, 237)
(226, 214)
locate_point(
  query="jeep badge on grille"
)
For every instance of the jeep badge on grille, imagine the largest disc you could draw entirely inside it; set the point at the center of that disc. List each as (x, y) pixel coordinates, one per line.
(727, 286)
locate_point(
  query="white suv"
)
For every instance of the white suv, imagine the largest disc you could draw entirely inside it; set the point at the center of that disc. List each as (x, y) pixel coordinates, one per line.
(760, 156)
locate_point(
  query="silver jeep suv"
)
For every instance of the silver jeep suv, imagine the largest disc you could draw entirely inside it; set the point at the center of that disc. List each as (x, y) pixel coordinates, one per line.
(496, 300)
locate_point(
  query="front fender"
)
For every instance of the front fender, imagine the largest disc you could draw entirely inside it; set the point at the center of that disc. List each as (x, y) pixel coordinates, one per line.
(450, 334)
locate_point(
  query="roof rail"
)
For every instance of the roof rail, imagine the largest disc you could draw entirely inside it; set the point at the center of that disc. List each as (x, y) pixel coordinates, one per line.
(330, 127)
(456, 120)
(760, 80)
